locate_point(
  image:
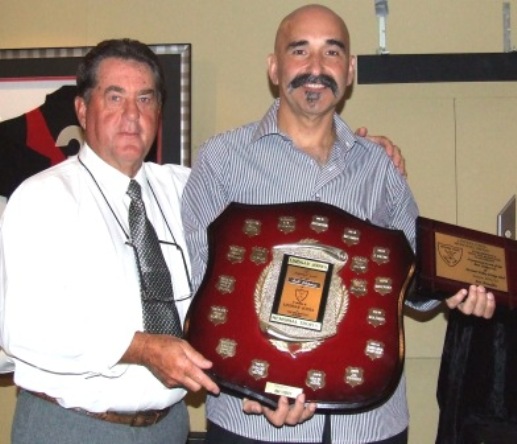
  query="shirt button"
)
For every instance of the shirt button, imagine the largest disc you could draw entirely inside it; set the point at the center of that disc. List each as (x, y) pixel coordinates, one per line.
(317, 198)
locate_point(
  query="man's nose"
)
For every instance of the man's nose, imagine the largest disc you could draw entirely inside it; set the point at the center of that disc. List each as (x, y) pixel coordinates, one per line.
(131, 110)
(316, 64)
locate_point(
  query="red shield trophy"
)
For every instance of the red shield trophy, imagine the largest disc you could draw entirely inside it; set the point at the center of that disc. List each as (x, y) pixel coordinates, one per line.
(303, 297)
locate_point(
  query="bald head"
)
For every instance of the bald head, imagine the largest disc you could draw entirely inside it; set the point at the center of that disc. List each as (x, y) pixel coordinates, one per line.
(311, 65)
(306, 18)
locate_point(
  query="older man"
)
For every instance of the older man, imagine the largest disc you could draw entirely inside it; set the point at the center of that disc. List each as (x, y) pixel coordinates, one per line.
(94, 279)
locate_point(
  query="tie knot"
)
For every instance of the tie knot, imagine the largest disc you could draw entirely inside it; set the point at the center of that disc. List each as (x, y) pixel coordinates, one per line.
(134, 190)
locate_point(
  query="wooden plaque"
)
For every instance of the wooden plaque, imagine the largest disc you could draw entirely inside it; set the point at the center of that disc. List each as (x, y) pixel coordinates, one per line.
(450, 257)
(303, 297)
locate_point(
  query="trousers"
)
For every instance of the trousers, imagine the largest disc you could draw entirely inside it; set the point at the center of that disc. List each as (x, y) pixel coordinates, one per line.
(37, 421)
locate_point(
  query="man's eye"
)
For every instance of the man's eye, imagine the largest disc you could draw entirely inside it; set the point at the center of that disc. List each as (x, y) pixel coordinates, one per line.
(335, 52)
(145, 99)
(114, 98)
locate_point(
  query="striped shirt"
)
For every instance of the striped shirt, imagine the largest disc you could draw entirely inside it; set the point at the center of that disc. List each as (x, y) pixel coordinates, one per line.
(258, 164)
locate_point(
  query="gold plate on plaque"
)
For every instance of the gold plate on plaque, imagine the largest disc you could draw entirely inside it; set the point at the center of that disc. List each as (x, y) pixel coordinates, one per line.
(252, 227)
(351, 236)
(315, 379)
(359, 264)
(383, 285)
(374, 349)
(259, 255)
(218, 315)
(286, 224)
(259, 369)
(354, 376)
(227, 348)
(235, 254)
(359, 287)
(225, 284)
(376, 317)
(381, 255)
(319, 224)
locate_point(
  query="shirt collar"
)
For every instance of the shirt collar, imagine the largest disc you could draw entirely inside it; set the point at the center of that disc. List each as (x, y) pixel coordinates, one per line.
(345, 137)
(269, 123)
(109, 178)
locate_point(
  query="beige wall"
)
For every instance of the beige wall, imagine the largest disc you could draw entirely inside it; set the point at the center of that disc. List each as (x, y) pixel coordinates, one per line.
(456, 137)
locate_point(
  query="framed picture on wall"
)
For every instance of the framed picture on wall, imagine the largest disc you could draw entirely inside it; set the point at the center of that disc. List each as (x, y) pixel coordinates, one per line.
(38, 126)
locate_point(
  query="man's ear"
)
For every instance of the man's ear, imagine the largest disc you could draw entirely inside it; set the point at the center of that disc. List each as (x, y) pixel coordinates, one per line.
(80, 111)
(272, 69)
(351, 70)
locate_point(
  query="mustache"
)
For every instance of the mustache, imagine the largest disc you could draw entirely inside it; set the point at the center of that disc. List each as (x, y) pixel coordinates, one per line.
(322, 79)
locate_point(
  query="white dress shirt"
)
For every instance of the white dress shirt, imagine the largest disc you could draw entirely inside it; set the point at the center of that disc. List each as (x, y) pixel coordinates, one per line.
(6, 364)
(69, 290)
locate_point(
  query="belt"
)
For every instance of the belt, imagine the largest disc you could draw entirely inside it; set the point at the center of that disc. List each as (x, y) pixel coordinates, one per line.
(143, 418)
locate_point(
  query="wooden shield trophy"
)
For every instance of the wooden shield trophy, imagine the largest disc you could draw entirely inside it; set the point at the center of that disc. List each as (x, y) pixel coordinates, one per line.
(303, 297)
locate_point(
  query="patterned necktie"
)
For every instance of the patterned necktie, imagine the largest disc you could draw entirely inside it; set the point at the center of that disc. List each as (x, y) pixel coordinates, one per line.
(160, 312)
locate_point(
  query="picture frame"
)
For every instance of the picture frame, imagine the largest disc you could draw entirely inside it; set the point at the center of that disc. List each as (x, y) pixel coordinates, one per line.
(33, 66)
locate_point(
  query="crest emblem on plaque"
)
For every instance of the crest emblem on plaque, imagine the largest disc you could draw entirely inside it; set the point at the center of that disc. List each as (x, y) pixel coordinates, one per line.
(450, 254)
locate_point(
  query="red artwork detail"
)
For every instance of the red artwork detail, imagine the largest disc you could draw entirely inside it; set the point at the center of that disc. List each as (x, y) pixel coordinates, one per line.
(39, 138)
